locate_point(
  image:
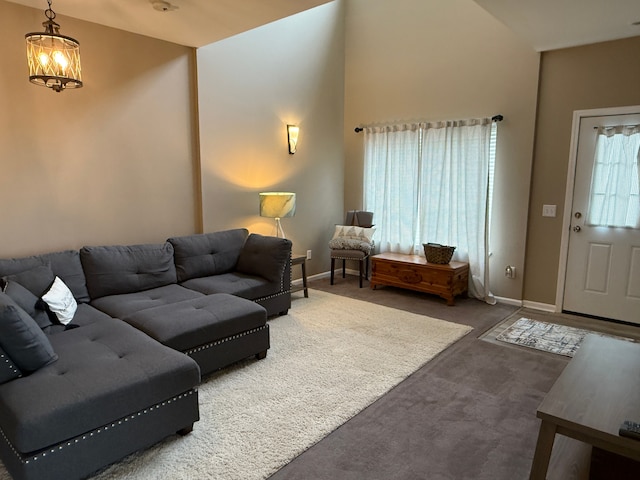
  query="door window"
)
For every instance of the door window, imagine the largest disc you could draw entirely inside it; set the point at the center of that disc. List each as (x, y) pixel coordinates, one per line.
(614, 199)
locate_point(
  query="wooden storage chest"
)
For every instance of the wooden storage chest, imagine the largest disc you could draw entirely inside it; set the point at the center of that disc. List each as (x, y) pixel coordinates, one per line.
(415, 273)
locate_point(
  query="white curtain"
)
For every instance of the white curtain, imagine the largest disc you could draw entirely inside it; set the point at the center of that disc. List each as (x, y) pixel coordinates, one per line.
(614, 197)
(429, 182)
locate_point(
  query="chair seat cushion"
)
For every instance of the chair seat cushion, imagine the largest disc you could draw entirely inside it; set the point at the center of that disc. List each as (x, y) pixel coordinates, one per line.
(349, 254)
(128, 372)
(196, 322)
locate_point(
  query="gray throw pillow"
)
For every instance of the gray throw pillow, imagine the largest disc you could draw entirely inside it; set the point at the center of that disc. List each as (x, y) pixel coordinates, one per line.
(22, 339)
(264, 256)
(31, 304)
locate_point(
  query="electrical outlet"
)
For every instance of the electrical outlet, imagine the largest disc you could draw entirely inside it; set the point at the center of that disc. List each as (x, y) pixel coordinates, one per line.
(308, 254)
(510, 271)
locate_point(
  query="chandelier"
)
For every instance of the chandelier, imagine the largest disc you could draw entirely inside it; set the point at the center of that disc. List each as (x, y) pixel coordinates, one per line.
(54, 59)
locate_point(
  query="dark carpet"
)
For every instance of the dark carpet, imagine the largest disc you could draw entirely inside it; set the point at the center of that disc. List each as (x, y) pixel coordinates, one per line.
(468, 414)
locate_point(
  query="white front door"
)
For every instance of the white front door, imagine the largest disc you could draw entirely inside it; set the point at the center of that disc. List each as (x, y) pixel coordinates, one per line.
(603, 262)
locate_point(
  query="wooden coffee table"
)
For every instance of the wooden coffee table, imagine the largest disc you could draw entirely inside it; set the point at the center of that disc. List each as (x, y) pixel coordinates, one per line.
(415, 273)
(596, 392)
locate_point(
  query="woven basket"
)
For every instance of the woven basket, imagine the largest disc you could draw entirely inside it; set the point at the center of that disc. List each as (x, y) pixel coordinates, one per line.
(437, 253)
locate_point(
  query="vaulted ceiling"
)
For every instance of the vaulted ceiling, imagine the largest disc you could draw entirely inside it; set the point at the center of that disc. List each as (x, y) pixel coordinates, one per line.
(544, 24)
(193, 23)
(552, 24)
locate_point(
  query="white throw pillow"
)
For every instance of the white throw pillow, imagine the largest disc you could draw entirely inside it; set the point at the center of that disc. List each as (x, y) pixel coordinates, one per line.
(61, 301)
(356, 233)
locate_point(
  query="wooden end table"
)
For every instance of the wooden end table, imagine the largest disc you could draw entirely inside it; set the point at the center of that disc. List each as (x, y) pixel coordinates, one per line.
(302, 261)
(415, 273)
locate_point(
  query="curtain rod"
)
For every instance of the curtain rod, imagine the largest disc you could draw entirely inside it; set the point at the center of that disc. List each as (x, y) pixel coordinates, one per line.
(495, 118)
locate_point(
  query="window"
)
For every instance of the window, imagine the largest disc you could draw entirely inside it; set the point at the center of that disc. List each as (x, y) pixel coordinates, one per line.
(431, 182)
(614, 198)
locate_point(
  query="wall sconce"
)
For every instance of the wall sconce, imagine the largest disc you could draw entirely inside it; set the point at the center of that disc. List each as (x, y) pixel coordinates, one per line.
(278, 205)
(292, 137)
(53, 59)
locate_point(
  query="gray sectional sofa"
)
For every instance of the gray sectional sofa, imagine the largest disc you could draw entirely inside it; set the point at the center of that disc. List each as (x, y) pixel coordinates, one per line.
(81, 390)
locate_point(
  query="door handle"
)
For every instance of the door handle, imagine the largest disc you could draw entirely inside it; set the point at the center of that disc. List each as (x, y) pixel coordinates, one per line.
(577, 228)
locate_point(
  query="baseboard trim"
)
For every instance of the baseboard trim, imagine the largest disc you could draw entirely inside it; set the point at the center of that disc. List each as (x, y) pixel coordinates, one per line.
(317, 276)
(545, 307)
(509, 301)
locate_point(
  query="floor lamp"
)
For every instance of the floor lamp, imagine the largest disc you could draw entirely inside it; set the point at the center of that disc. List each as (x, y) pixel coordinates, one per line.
(278, 205)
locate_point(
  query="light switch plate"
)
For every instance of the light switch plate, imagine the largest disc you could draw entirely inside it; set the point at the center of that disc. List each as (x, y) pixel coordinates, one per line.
(548, 210)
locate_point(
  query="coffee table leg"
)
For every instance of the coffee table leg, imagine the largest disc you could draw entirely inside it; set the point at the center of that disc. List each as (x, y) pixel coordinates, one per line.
(541, 458)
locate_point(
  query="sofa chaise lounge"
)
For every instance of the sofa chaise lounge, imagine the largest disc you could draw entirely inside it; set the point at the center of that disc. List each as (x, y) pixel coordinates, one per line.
(149, 321)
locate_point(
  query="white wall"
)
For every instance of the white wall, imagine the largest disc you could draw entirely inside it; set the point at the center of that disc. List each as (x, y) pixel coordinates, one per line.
(250, 87)
(436, 60)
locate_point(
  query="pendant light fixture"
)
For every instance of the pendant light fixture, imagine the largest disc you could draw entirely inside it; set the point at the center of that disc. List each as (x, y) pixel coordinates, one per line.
(54, 59)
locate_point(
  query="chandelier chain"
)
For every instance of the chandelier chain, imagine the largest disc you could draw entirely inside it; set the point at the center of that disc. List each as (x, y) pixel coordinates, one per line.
(49, 13)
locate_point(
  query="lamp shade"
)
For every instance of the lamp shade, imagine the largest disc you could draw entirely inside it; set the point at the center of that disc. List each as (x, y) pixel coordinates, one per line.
(277, 204)
(53, 59)
(292, 137)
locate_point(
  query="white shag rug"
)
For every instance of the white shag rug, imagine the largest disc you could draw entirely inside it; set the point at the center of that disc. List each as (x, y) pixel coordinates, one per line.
(330, 357)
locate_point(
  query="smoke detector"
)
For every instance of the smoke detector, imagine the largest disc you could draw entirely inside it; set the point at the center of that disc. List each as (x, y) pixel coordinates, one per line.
(163, 6)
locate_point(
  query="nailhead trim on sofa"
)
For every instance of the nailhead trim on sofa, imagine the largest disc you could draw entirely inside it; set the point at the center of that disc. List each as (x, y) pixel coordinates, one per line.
(227, 339)
(282, 288)
(96, 431)
(9, 364)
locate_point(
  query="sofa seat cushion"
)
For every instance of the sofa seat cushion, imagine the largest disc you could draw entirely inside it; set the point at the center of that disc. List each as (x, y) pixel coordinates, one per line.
(192, 323)
(119, 306)
(105, 371)
(251, 287)
(85, 315)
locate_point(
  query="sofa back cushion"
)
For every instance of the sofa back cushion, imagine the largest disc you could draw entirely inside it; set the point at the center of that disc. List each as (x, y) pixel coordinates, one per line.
(68, 267)
(37, 280)
(117, 269)
(264, 256)
(206, 254)
(65, 264)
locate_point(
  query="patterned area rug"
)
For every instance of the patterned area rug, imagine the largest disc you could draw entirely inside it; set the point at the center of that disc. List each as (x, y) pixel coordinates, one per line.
(548, 337)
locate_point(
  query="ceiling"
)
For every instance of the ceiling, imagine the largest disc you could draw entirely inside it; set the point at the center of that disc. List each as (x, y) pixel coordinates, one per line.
(552, 24)
(544, 24)
(194, 23)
